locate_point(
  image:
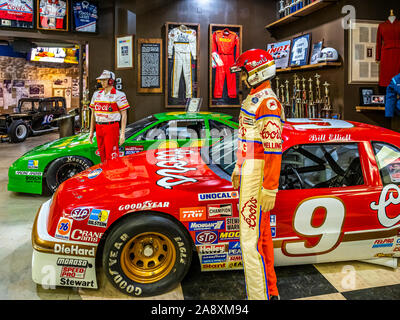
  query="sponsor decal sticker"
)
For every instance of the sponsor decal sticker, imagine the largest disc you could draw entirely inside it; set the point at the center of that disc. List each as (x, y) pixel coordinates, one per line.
(232, 235)
(383, 243)
(33, 179)
(212, 249)
(80, 213)
(93, 174)
(235, 265)
(99, 218)
(234, 248)
(273, 232)
(193, 214)
(213, 266)
(206, 237)
(86, 236)
(133, 149)
(63, 228)
(73, 250)
(213, 258)
(28, 173)
(232, 224)
(272, 220)
(73, 272)
(207, 225)
(144, 205)
(218, 196)
(219, 210)
(33, 164)
(249, 213)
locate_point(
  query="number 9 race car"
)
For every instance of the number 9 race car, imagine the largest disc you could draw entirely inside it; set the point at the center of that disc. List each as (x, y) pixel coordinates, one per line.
(142, 216)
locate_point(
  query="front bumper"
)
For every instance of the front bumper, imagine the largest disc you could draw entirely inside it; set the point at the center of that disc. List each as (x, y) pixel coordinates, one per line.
(60, 263)
(27, 181)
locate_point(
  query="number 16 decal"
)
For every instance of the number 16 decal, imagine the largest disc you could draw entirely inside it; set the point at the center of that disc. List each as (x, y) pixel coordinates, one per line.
(318, 239)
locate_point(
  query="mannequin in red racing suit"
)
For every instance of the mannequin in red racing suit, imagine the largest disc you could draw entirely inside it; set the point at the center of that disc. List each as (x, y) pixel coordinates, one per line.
(257, 172)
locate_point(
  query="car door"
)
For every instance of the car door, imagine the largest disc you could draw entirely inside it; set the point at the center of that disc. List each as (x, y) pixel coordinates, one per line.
(322, 210)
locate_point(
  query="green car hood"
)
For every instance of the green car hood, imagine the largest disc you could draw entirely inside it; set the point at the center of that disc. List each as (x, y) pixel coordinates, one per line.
(81, 140)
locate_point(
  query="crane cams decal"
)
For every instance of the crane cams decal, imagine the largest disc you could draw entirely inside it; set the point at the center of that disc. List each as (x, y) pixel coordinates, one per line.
(174, 168)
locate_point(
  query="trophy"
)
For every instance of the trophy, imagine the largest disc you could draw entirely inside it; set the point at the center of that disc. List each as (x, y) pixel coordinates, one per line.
(281, 9)
(326, 111)
(304, 100)
(311, 104)
(85, 116)
(318, 100)
(277, 87)
(287, 100)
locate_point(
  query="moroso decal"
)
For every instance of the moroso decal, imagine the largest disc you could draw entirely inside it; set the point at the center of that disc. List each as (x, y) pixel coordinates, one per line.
(174, 168)
(233, 235)
(218, 196)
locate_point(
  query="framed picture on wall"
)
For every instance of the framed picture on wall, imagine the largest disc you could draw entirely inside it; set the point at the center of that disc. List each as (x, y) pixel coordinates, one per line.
(53, 15)
(300, 50)
(17, 16)
(150, 66)
(280, 51)
(316, 52)
(366, 96)
(124, 52)
(363, 67)
(85, 16)
(182, 63)
(225, 46)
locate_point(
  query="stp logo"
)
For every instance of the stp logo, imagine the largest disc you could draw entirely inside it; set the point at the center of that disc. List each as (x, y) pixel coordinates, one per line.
(206, 237)
(80, 214)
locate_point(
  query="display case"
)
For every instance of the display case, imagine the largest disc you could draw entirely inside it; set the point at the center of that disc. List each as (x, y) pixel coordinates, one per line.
(181, 63)
(53, 15)
(225, 45)
(17, 16)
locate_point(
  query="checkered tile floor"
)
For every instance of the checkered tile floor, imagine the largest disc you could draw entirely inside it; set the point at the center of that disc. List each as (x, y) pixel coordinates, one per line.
(330, 281)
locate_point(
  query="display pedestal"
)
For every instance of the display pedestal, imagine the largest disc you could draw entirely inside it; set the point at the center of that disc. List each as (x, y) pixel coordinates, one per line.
(66, 125)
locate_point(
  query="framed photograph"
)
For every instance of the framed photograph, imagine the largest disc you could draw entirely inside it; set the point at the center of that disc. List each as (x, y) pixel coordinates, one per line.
(17, 16)
(225, 46)
(366, 96)
(280, 51)
(378, 100)
(316, 52)
(194, 105)
(124, 52)
(182, 63)
(53, 15)
(300, 50)
(150, 66)
(85, 16)
(363, 67)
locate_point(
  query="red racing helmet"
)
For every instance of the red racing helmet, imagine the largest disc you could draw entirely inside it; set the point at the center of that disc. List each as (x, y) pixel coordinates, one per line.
(258, 64)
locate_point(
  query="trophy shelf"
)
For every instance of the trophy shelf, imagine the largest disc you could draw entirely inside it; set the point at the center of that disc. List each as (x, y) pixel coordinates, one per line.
(369, 108)
(310, 67)
(305, 11)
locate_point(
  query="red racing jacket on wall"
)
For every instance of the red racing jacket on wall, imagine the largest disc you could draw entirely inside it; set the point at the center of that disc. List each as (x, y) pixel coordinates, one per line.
(388, 51)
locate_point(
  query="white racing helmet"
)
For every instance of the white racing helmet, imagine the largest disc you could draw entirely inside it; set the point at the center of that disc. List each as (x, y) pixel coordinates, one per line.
(328, 55)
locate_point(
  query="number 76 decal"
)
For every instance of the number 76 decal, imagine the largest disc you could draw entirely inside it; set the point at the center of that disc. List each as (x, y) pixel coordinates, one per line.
(319, 239)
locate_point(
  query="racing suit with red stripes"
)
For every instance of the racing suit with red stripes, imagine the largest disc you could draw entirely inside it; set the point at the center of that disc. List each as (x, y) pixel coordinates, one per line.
(259, 161)
(107, 111)
(226, 44)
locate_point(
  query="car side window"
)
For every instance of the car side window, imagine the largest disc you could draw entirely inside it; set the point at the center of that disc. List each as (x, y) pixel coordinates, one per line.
(321, 166)
(26, 106)
(185, 129)
(219, 130)
(388, 159)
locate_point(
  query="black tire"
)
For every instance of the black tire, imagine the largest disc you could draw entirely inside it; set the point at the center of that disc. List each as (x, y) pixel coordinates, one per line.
(18, 131)
(64, 168)
(133, 271)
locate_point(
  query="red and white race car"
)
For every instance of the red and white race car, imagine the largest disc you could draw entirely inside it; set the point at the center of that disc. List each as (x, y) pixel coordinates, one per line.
(140, 217)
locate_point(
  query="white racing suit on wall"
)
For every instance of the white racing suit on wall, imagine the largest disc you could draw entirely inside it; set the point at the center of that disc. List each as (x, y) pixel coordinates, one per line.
(182, 47)
(259, 161)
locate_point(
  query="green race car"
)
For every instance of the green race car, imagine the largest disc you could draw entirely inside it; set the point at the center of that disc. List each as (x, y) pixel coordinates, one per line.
(48, 165)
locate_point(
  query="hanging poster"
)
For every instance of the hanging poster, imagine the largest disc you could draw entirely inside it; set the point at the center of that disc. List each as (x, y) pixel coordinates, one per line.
(85, 16)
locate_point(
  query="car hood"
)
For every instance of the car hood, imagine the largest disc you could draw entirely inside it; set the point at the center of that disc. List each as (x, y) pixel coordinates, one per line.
(153, 173)
(81, 140)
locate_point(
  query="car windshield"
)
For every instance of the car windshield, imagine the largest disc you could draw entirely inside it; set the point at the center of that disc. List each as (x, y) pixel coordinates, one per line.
(223, 153)
(135, 127)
